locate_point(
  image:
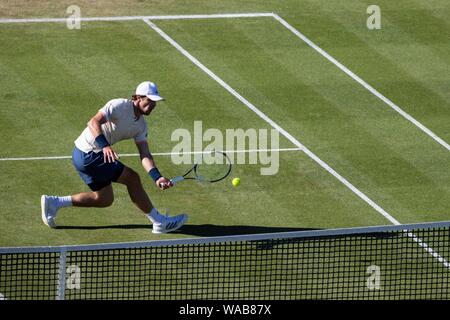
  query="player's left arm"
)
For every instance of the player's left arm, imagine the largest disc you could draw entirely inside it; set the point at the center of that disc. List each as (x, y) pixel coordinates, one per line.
(150, 167)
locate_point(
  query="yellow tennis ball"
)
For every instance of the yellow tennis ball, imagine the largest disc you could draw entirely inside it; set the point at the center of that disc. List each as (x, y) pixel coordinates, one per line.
(236, 182)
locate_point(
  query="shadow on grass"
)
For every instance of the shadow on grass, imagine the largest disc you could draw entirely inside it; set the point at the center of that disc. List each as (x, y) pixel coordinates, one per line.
(117, 226)
(212, 230)
(201, 230)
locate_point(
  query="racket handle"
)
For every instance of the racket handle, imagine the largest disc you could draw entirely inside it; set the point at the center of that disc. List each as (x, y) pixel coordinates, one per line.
(174, 180)
(177, 179)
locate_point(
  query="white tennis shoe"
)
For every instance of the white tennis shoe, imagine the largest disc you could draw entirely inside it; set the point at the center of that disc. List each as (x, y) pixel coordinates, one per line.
(169, 224)
(48, 210)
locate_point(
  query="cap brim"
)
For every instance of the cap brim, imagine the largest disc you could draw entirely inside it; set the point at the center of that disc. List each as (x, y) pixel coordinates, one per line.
(155, 98)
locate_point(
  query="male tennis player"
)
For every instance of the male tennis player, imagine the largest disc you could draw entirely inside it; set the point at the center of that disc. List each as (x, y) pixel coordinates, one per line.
(98, 165)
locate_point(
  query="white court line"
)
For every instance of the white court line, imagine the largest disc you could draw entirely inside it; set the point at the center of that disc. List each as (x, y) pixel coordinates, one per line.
(428, 249)
(363, 83)
(272, 123)
(223, 84)
(156, 154)
(253, 15)
(252, 107)
(130, 18)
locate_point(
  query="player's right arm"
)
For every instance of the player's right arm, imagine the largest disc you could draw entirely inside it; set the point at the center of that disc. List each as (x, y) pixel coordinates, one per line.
(95, 125)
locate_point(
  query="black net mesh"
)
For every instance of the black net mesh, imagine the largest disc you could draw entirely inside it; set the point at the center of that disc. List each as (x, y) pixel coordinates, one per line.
(382, 265)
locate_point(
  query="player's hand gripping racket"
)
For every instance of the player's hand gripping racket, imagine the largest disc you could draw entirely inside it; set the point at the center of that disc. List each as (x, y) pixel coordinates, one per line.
(216, 171)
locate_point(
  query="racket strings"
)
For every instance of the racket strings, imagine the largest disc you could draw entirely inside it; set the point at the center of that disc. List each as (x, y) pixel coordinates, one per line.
(214, 170)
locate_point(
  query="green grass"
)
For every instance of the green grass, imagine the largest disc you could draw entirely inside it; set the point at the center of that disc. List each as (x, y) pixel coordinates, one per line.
(54, 79)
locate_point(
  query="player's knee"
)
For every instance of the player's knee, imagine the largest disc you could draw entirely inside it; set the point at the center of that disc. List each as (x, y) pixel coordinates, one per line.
(104, 200)
(134, 177)
(108, 201)
(129, 178)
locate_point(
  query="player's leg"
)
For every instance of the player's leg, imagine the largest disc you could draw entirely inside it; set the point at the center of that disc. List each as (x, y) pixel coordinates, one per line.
(51, 204)
(161, 224)
(99, 199)
(97, 174)
(131, 179)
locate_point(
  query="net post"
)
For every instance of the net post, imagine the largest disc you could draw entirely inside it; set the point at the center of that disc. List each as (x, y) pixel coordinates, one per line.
(60, 294)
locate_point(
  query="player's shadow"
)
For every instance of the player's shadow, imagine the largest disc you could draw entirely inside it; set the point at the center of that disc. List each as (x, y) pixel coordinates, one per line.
(199, 230)
(116, 226)
(212, 230)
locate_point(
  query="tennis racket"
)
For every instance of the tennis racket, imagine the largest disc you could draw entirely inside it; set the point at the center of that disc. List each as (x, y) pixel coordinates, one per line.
(216, 171)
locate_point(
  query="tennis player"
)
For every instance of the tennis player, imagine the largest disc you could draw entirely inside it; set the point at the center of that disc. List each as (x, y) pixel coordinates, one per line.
(98, 165)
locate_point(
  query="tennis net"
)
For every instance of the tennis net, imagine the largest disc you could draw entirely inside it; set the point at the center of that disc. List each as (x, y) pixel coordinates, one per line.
(388, 262)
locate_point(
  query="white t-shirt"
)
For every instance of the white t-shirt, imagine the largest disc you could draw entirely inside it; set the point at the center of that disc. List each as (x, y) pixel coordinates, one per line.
(121, 125)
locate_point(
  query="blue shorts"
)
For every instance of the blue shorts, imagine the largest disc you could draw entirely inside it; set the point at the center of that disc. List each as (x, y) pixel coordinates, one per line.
(94, 171)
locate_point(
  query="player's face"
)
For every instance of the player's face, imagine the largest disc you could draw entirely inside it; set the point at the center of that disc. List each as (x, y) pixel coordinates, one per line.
(146, 105)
